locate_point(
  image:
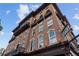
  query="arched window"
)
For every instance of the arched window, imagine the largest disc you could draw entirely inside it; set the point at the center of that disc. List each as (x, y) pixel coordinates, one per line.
(40, 18)
(40, 41)
(48, 13)
(52, 37)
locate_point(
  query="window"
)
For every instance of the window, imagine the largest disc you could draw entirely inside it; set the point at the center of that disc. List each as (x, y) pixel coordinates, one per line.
(52, 37)
(20, 45)
(26, 34)
(32, 44)
(48, 13)
(50, 22)
(41, 17)
(41, 27)
(33, 31)
(65, 30)
(40, 41)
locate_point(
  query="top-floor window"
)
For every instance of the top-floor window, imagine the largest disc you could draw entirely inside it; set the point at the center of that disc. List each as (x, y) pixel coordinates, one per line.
(48, 13)
(40, 18)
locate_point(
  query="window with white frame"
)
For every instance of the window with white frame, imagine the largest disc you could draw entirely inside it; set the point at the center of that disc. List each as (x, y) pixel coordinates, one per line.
(41, 27)
(52, 37)
(32, 45)
(50, 22)
(40, 41)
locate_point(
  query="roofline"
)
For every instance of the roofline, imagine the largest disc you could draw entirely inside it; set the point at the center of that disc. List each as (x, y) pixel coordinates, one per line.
(34, 13)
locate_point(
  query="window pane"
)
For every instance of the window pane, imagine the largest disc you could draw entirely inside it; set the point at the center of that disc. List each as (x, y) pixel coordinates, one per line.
(33, 31)
(52, 34)
(41, 27)
(26, 34)
(32, 44)
(50, 22)
(40, 41)
(52, 37)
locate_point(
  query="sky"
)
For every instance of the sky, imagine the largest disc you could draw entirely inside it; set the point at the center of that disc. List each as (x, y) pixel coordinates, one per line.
(12, 13)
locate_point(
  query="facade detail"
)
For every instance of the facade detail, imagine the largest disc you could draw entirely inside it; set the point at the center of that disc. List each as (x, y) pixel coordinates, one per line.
(46, 32)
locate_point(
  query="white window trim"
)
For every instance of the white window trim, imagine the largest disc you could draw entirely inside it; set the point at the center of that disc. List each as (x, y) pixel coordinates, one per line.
(41, 25)
(49, 22)
(51, 37)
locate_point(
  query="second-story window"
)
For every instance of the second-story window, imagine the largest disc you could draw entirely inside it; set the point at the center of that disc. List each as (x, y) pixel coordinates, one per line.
(50, 22)
(32, 44)
(40, 41)
(52, 37)
(41, 27)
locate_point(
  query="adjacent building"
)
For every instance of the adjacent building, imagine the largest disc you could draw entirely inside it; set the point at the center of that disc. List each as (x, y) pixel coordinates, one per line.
(1, 51)
(45, 31)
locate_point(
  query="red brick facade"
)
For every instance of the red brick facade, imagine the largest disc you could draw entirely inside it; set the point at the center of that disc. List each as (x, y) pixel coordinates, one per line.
(25, 36)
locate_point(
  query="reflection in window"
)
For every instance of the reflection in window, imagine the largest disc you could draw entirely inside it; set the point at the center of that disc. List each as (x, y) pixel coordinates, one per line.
(52, 37)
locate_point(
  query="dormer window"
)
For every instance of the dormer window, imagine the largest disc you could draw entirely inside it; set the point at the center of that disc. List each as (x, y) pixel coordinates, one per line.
(48, 13)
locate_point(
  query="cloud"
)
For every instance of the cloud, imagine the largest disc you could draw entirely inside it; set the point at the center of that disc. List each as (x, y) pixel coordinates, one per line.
(22, 11)
(1, 33)
(25, 9)
(76, 16)
(8, 11)
(75, 27)
(35, 6)
(76, 9)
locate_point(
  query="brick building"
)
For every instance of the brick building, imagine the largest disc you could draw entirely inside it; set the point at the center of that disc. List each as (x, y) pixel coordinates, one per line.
(45, 31)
